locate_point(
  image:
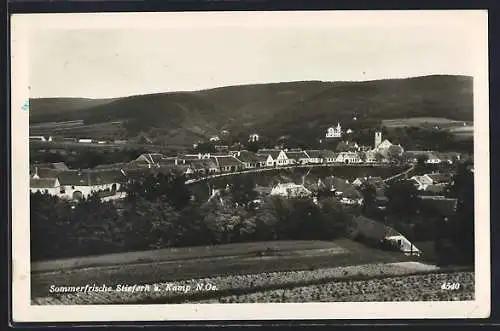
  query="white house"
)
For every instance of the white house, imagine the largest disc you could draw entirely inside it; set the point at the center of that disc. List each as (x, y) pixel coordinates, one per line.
(275, 157)
(313, 156)
(334, 132)
(254, 137)
(291, 190)
(214, 139)
(433, 159)
(77, 184)
(329, 156)
(404, 245)
(422, 182)
(348, 157)
(85, 141)
(44, 185)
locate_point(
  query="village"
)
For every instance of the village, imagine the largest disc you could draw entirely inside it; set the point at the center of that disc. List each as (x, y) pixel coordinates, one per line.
(106, 180)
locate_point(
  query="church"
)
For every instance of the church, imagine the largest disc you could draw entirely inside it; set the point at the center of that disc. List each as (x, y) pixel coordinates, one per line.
(334, 132)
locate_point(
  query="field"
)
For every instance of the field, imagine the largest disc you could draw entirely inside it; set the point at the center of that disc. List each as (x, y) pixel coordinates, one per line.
(367, 282)
(423, 121)
(199, 262)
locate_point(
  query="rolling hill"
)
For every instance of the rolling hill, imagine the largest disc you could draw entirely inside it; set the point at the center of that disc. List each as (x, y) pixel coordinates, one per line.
(273, 110)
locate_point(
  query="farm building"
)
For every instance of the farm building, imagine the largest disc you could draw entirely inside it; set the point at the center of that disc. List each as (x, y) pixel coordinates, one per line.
(291, 190)
(378, 234)
(44, 185)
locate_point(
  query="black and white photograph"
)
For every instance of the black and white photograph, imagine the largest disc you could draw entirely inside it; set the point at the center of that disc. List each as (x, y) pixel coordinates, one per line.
(250, 165)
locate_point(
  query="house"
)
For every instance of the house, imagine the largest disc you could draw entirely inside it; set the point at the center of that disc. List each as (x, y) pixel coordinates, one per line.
(334, 132)
(367, 181)
(275, 157)
(347, 146)
(250, 160)
(147, 160)
(201, 166)
(348, 157)
(440, 177)
(404, 245)
(371, 156)
(221, 148)
(76, 184)
(228, 163)
(313, 156)
(60, 166)
(421, 182)
(340, 187)
(44, 185)
(349, 131)
(433, 158)
(296, 157)
(291, 190)
(329, 156)
(214, 139)
(254, 137)
(376, 233)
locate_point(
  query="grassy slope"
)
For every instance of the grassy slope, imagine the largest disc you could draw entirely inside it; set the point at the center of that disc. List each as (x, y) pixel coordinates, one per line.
(182, 264)
(272, 109)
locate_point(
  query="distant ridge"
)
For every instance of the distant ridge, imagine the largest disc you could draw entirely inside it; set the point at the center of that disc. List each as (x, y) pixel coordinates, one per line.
(273, 109)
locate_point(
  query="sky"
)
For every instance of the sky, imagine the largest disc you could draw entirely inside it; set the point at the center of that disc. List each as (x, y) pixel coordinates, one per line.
(112, 60)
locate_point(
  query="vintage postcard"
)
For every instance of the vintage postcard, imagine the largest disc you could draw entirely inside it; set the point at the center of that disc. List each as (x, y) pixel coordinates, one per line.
(250, 166)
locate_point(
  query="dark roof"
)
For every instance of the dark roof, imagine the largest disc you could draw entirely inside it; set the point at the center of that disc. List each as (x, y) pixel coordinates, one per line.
(87, 178)
(339, 184)
(445, 206)
(246, 156)
(44, 173)
(329, 154)
(55, 165)
(314, 154)
(228, 161)
(43, 182)
(296, 155)
(373, 229)
(111, 166)
(440, 177)
(273, 152)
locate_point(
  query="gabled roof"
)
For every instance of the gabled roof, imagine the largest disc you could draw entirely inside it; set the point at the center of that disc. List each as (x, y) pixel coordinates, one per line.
(329, 154)
(247, 156)
(55, 165)
(43, 183)
(90, 178)
(296, 155)
(440, 177)
(373, 229)
(44, 173)
(228, 161)
(273, 152)
(314, 153)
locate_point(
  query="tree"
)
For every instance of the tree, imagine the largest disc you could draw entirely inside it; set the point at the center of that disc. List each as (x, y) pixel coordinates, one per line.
(242, 189)
(369, 193)
(394, 153)
(462, 225)
(403, 198)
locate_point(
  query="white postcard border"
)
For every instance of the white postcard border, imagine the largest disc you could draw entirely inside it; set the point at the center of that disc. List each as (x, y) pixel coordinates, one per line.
(23, 311)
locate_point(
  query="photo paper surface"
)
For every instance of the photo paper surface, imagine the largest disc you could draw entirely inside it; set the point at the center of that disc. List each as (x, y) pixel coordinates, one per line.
(250, 166)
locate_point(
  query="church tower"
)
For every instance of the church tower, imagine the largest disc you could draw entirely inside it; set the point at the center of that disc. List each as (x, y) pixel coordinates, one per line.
(378, 138)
